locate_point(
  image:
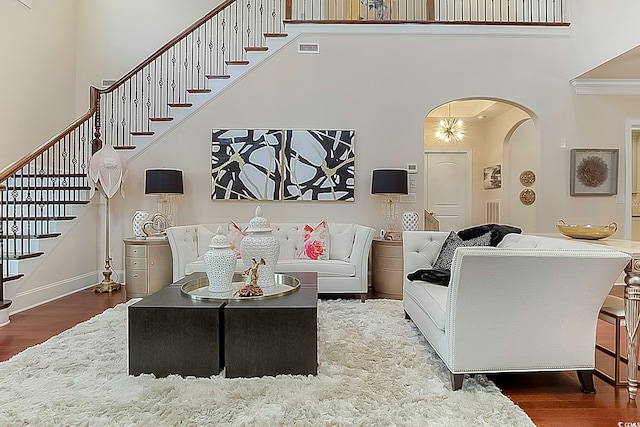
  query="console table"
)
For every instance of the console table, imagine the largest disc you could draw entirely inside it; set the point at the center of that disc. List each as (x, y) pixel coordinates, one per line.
(631, 301)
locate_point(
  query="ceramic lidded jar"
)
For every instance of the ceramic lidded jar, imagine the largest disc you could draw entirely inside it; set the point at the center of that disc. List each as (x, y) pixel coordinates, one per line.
(220, 263)
(261, 243)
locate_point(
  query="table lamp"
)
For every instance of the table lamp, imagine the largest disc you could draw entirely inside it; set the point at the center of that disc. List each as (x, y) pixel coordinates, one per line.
(389, 183)
(164, 183)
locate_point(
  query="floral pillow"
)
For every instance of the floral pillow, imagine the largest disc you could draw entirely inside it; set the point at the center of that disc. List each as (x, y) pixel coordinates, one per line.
(314, 242)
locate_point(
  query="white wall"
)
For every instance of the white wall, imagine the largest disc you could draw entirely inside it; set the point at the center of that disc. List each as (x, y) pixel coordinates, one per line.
(601, 31)
(37, 47)
(117, 35)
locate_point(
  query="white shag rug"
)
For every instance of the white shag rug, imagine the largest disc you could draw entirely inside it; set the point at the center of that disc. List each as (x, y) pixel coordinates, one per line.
(375, 369)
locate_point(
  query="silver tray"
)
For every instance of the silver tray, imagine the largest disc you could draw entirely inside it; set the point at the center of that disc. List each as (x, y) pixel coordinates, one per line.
(199, 288)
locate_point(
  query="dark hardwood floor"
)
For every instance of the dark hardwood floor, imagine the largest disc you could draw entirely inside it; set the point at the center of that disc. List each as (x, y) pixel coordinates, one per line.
(550, 399)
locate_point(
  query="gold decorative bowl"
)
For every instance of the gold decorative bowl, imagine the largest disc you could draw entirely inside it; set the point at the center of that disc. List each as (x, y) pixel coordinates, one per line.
(587, 231)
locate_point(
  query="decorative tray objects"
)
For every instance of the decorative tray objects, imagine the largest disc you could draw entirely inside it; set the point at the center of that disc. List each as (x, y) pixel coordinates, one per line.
(587, 231)
(199, 288)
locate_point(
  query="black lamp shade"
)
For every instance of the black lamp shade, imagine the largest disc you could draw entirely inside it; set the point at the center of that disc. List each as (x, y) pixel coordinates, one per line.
(389, 181)
(163, 181)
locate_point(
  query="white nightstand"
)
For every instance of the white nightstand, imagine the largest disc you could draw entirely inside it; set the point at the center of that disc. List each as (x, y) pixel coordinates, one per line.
(148, 266)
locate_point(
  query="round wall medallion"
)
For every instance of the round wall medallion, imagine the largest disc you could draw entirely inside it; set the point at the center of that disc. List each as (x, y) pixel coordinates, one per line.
(527, 196)
(527, 178)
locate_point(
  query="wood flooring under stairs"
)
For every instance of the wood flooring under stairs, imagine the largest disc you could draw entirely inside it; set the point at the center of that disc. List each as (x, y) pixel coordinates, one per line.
(550, 399)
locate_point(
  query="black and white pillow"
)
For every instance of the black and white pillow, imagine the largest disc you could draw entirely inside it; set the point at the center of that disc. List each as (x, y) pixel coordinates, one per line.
(453, 242)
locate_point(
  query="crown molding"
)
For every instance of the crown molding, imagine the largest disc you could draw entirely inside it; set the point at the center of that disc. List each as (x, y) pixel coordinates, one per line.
(606, 86)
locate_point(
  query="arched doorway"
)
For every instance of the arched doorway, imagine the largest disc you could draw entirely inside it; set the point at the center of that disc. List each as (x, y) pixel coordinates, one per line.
(502, 141)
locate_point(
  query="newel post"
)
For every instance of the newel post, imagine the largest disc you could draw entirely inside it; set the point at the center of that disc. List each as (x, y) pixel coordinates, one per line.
(96, 142)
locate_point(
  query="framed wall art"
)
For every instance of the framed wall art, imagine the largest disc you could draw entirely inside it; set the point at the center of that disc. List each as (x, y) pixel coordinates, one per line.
(319, 165)
(246, 164)
(253, 164)
(492, 177)
(594, 172)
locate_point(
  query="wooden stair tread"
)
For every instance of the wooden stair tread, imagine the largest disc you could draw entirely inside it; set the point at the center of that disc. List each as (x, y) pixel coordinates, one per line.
(124, 147)
(39, 218)
(12, 277)
(160, 119)
(237, 62)
(275, 34)
(49, 175)
(22, 256)
(46, 202)
(181, 105)
(48, 188)
(221, 76)
(256, 49)
(198, 90)
(33, 236)
(5, 303)
(142, 133)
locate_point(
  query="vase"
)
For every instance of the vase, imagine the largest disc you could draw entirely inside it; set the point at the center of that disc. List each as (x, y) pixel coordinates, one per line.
(261, 243)
(410, 221)
(138, 220)
(220, 263)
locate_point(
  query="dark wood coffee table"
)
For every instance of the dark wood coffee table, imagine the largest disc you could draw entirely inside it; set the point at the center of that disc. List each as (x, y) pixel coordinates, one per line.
(171, 333)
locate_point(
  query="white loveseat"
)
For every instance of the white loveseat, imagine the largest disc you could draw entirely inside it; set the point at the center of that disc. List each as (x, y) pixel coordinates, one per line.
(345, 272)
(530, 304)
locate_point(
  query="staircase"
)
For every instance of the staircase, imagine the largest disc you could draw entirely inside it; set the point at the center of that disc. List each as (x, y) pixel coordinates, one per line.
(42, 193)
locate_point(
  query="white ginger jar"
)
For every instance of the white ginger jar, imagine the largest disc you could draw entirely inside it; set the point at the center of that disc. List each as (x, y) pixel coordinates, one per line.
(220, 263)
(139, 218)
(261, 243)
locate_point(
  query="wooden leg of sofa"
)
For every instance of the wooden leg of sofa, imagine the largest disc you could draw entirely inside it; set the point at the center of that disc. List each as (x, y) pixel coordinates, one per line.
(586, 381)
(363, 297)
(456, 381)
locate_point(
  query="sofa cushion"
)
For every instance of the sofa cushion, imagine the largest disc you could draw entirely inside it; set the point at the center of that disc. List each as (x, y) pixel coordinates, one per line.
(453, 242)
(314, 242)
(341, 242)
(431, 298)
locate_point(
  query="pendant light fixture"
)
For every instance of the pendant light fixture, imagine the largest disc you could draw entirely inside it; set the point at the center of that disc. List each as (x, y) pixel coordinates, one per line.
(450, 129)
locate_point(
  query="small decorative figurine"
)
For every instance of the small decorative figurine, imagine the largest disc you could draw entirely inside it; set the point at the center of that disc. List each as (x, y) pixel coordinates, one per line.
(252, 289)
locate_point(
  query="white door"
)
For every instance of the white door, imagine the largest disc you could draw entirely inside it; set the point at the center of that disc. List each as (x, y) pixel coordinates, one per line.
(448, 188)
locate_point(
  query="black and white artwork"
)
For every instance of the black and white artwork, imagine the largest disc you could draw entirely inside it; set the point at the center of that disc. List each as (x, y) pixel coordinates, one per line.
(283, 165)
(246, 164)
(319, 165)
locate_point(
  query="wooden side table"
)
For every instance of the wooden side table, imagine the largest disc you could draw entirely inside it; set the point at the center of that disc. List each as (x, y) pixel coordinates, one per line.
(148, 266)
(387, 268)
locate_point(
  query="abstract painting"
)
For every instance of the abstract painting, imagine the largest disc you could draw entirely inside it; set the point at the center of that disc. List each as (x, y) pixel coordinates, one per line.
(283, 165)
(319, 165)
(245, 164)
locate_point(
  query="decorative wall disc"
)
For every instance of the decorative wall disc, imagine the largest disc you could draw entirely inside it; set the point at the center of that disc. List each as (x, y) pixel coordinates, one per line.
(527, 196)
(527, 178)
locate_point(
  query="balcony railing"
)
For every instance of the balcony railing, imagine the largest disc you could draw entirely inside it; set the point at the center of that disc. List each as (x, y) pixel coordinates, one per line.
(520, 12)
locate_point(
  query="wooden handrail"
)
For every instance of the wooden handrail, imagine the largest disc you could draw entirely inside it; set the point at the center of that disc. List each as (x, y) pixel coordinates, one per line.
(168, 45)
(16, 166)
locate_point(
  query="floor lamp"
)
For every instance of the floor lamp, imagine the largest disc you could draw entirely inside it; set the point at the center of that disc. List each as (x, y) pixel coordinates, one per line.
(389, 183)
(107, 170)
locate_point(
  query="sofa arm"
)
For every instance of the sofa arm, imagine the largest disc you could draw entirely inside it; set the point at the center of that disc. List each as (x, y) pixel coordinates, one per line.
(183, 241)
(360, 251)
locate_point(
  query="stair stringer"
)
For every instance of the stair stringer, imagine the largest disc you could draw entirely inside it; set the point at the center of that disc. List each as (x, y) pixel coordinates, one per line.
(199, 101)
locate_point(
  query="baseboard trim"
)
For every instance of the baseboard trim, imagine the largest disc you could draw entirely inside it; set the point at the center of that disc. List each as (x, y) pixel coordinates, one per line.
(50, 292)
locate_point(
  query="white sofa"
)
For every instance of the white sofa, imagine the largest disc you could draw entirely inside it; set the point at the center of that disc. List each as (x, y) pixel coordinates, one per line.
(530, 304)
(345, 272)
